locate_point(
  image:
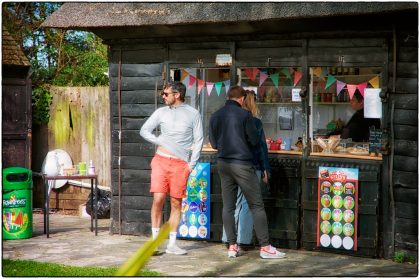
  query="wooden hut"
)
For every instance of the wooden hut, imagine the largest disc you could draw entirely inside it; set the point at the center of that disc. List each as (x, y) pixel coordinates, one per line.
(151, 43)
(16, 104)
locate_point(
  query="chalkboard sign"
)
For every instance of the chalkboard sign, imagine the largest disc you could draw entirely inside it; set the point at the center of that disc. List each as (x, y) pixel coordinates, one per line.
(375, 140)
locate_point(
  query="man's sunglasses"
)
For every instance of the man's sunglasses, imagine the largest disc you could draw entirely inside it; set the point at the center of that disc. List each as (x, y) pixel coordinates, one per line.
(166, 94)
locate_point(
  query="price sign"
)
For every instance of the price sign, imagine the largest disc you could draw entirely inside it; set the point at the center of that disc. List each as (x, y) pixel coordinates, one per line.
(375, 140)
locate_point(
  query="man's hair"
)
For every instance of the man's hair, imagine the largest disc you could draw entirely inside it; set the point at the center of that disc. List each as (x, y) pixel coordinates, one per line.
(358, 96)
(177, 86)
(235, 92)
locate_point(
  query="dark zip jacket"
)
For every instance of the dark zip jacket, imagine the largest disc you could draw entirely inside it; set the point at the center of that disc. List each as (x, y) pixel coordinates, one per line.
(233, 133)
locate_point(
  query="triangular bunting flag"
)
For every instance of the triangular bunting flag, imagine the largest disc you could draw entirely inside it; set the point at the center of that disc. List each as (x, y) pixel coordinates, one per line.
(351, 88)
(209, 86)
(218, 86)
(330, 81)
(200, 84)
(340, 86)
(298, 76)
(184, 74)
(374, 82)
(263, 77)
(362, 87)
(317, 71)
(286, 72)
(275, 79)
(252, 73)
(227, 85)
(324, 72)
(192, 81)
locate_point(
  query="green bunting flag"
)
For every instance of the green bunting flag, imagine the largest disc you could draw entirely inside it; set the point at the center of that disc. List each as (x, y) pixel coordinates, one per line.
(275, 79)
(218, 86)
(286, 72)
(330, 81)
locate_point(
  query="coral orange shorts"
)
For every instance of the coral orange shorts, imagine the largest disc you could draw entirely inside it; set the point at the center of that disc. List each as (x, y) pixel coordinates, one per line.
(169, 175)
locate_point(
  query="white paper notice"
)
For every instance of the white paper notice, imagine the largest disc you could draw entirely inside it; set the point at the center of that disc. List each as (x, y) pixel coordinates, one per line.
(295, 95)
(373, 105)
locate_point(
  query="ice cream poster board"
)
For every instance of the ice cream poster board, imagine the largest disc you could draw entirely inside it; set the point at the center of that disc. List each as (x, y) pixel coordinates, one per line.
(195, 211)
(337, 208)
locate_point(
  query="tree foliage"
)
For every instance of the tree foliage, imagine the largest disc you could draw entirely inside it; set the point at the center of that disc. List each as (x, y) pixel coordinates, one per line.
(57, 57)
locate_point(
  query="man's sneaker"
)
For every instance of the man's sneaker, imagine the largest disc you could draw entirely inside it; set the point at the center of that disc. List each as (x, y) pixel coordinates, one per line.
(270, 252)
(173, 249)
(233, 251)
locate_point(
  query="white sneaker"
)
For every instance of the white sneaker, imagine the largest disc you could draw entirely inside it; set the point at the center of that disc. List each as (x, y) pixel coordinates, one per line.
(173, 249)
(270, 252)
(233, 251)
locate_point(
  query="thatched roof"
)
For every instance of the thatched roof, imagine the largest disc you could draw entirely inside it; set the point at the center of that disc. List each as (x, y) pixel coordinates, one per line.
(79, 15)
(12, 54)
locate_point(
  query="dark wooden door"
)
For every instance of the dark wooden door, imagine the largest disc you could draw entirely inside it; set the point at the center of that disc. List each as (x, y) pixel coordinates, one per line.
(16, 122)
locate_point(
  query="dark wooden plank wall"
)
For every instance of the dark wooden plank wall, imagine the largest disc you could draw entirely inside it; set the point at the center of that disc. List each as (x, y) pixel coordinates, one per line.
(141, 69)
(405, 161)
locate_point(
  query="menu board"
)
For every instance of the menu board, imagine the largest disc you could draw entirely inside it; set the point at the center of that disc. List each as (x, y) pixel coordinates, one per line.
(337, 208)
(195, 210)
(375, 140)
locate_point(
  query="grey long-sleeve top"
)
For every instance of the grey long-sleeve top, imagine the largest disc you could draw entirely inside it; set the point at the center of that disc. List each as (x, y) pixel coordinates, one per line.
(181, 131)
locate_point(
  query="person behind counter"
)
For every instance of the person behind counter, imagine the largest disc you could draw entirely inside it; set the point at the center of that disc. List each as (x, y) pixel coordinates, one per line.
(357, 128)
(233, 133)
(179, 145)
(243, 216)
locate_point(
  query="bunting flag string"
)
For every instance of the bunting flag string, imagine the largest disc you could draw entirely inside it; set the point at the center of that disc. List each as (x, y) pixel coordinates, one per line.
(218, 86)
(317, 71)
(200, 84)
(209, 86)
(330, 80)
(361, 88)
(351, 88)
(340, 86)
(298, 76)
(263, 77)
(374, 82)
(192, 81)
(227, 85)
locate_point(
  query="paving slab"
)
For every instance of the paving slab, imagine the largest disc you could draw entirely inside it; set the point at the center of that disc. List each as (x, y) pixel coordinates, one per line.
(72, 243)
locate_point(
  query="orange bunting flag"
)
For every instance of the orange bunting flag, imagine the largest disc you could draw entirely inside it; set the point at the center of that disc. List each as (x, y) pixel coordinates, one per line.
(351, 88)
(192, 81)
(263, 77)
(184, 74)
(374, 82)
(361, 88)
(340, 86)
(200, 84)
(317, 71)
(209, 86)
(298, 76)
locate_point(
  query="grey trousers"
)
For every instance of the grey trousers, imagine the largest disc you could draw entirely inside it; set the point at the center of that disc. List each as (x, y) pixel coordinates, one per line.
(244, 176)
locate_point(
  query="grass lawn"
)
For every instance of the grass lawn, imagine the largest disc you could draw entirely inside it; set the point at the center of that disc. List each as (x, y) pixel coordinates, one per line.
(23, 268)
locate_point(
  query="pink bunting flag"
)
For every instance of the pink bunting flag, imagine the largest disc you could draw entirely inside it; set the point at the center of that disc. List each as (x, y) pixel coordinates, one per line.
(227, 85)
(263, 77)
(209, 86)
(200, 84)
(218, 86)
(361, 88)
(192, 81)
(298, 76)
(351, 88)
(340, 86)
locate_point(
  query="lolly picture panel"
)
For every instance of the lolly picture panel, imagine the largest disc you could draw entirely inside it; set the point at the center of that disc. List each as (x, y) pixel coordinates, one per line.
(337, 208)
(195, 210)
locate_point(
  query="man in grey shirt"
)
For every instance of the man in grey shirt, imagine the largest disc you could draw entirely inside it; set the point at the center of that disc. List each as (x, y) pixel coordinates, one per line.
(179, 146)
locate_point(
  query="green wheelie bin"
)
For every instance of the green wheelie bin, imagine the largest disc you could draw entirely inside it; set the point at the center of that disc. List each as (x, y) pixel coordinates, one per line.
(17, 203)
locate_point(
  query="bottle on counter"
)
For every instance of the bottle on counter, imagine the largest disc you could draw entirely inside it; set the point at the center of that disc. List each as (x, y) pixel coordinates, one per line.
(91, 170)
